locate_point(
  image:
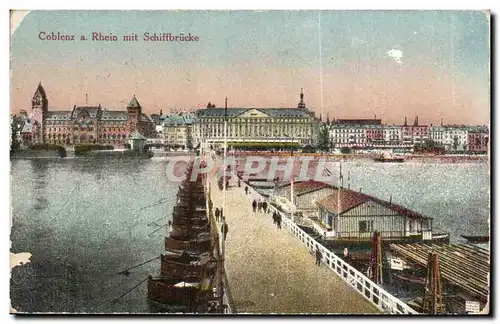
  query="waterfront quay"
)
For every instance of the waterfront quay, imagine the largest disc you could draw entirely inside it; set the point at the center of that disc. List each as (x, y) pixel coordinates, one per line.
(269, 271)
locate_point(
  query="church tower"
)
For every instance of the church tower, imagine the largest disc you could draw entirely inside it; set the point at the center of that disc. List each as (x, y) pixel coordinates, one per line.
(301, 104)
(39, 109)
(134, 111)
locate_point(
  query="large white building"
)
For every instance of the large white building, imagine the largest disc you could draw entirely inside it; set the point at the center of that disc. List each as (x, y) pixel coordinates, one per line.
(347, 135)
(257, 125)
(177, 129)
(452, 137)
(392, 134)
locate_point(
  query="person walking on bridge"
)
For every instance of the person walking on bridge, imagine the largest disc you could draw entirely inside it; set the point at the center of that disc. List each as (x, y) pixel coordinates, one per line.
(217, 214)
(264, 206)
(254, 205)
(246, 190)
(224, 229)
(318, 256)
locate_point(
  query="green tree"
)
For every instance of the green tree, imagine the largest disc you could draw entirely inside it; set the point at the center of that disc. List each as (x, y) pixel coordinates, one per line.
(345, 150)
(14, 144)
(455, 143)
(324, 138)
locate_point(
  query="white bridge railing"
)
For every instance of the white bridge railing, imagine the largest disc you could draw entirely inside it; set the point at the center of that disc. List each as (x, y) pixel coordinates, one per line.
(384, 301)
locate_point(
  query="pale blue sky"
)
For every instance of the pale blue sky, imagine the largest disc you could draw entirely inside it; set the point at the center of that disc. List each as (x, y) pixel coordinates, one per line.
(258, 50)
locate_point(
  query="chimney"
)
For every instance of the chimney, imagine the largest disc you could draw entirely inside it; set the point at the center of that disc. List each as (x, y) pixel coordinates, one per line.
(390, 200)
(441, 121)
(406, 121)
(161, 112)
(360, 190)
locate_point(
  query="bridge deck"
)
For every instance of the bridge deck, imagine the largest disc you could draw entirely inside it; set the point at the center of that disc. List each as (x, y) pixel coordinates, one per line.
(269, 271)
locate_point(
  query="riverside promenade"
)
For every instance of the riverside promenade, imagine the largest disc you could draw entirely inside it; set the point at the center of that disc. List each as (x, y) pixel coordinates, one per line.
(269, 271)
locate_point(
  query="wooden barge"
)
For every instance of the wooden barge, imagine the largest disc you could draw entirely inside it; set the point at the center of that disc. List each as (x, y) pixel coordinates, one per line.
(188, 266)
(465, 269)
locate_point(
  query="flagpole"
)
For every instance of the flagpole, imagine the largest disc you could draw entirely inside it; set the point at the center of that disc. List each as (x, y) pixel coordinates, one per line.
(291, 186)
(339, 209)
(223, 235)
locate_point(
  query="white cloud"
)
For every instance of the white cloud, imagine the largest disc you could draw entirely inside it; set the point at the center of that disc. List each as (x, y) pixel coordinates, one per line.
(396, 55)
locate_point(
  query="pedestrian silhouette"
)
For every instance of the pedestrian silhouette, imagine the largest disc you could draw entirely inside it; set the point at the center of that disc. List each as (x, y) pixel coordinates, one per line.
(217, 213)
(254, 205)
(224, 229)
(318, 256)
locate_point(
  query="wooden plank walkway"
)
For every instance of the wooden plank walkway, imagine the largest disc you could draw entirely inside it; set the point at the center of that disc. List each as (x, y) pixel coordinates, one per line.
(269, 271)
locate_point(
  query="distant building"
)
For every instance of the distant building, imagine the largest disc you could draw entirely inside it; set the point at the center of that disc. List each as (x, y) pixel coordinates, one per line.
(478, 139)
(177, 129)
(348, 135)
(414, 134)
(84, 124)
(261, 125)
(454, 138)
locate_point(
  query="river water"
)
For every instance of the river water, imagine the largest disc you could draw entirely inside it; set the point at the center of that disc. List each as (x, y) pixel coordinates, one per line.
(85, 220)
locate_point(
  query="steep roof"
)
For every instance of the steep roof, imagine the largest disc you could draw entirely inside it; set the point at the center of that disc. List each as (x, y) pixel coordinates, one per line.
(41, 90)
(350, 199)
(271, 112)
(114, 115)
(92, 111)
(134, 103)
(27, 128)
(178, 119)
(58, 115)
(304, 187)
(146, 118)
(136, 136)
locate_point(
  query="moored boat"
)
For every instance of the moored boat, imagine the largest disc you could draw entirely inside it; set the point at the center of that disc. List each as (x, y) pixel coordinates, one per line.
(390, 159)
(192, 293)
(476, 238)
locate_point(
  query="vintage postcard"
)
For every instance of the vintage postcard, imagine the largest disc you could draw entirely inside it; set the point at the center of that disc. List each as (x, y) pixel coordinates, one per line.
(250, 162)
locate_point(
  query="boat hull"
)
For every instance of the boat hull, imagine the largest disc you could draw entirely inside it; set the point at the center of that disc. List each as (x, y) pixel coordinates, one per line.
(389, 160)
(195, 221)
(171, 266)
(195, 246)
(476, 239)
(165, 292)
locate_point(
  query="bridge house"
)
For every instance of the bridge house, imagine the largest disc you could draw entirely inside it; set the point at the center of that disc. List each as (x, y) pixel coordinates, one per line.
(351, 215)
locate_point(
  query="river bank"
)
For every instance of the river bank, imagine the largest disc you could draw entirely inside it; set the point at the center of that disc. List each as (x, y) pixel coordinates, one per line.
(366, 157)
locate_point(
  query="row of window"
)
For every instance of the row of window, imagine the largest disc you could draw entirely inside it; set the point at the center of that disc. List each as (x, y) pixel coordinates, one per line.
(81, 141)
(86, 128)
(220, 120)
